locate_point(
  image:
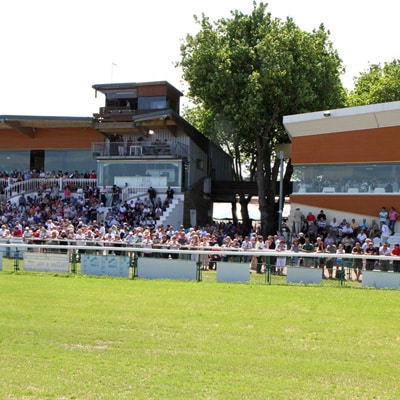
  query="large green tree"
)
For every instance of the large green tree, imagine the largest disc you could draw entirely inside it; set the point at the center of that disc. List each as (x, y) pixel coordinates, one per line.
(378, 84)
(246, 72)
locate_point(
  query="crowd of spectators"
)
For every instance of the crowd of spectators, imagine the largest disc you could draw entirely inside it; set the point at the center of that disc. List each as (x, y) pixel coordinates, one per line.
(83, 217)
(315, 234)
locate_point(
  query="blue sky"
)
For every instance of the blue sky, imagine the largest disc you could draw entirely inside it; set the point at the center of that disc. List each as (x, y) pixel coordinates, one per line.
(54, 51)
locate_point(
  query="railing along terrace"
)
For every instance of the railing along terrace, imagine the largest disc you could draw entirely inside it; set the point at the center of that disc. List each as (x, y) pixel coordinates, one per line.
(12, 188)
(137, 149)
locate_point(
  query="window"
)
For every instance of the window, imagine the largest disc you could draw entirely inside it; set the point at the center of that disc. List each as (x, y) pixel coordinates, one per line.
(346, 178)
(152, 103)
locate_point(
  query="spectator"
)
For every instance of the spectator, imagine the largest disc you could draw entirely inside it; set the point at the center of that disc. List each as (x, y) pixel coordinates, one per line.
(384, 250)
(385, 232)
(329, 262)
(152, 195)
(357, 262)
(393, 215)
(307, 247)
(371, 251)
(170, 193)
(396, 252)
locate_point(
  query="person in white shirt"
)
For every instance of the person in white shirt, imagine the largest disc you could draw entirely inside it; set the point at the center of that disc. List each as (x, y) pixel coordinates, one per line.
(385, 232)
(362, 236)
(384, 250)
(280, 261)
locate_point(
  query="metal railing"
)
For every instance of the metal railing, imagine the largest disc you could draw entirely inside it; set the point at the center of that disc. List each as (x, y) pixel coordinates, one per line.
(12, 188)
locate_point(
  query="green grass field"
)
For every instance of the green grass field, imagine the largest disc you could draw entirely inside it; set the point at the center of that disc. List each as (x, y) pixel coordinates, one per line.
(76, 337)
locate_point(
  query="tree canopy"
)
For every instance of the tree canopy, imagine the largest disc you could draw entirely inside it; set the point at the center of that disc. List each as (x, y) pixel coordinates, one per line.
(248, 71)
(378, 84)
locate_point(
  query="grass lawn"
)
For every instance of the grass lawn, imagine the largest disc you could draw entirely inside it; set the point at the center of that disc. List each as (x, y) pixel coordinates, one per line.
(76, 337)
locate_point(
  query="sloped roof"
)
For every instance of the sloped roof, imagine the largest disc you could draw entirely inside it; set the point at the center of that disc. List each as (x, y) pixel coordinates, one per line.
(343, 119)
(26, 124)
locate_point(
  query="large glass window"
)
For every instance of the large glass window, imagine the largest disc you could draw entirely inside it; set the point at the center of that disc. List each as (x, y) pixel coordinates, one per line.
(12, 160)
(140, 173)
(69, 160)
(54, 160)
(346, 178)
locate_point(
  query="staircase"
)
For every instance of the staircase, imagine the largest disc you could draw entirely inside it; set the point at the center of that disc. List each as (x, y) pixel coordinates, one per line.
(174, 214)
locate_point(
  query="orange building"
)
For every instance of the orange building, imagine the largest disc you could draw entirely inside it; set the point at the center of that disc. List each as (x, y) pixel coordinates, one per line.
(346, 161)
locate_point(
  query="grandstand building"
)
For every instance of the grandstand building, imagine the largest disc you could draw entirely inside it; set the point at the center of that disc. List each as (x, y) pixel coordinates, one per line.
(346, 160)
(136, 140)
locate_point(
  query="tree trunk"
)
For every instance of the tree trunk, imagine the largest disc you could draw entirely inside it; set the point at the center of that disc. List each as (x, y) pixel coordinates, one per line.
(244, 202)
(234, 213)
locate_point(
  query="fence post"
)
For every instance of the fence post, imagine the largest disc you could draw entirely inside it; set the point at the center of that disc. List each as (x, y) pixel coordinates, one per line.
(268, 271)
(342, 275)
(134, 258)
(198, 271)
(73, 261)
(16, 259)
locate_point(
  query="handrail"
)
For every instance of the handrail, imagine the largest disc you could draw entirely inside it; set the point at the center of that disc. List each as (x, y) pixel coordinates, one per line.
(15, 188)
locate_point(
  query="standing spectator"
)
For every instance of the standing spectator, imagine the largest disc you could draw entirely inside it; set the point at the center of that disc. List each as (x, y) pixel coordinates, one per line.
(296, 249)
(339, 262)
(103, 195)
(147, 243)
(320, 248)
(393, 214)
(259, 245)
(174, 245)
(384, 250)
(383, 215)
(152, 195)
(298, 220)
(372, 251)
(307, 247)
(170, 193)
(330, 248)
(385, 232)
(115, 194)
(357, 262)
(280, 261)
(246, 246)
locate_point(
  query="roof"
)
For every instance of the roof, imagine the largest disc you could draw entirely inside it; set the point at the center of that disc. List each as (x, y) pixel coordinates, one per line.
(169, 115)
(43, 121)
(27, 124)
(131, 85)
(343, 119)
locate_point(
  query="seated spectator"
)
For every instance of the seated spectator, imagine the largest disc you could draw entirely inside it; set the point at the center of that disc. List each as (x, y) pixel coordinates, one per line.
(354, 226)
(362, 236)
(310, 217)
(364, 225)
(347, 230)
(321, 225)
(373, 229)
